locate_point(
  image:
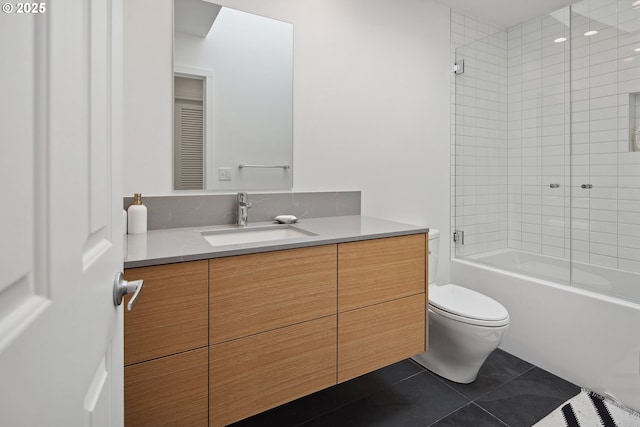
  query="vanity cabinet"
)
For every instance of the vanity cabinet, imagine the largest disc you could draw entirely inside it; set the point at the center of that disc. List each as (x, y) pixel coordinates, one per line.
(379, 270)
(381, 302)
(252, 374)
(216, 341)
(273, 329)
(165, 346)
(372, 337)
(260, 292)
(169, 391)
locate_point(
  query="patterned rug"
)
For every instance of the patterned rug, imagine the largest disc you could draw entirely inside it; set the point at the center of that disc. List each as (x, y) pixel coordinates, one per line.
(589, 409)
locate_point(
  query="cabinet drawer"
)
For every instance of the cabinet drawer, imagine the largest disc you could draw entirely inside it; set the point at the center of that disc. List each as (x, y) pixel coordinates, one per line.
(379, 335)
(253, 374)
(373, 271)
(172, 313)
(259, 292)
(170, 391)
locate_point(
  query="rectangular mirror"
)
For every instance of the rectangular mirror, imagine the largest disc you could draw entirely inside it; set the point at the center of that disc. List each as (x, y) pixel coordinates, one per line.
(233, 99)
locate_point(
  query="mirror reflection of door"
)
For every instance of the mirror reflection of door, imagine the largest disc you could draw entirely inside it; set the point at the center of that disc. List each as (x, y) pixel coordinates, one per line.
(189, 133)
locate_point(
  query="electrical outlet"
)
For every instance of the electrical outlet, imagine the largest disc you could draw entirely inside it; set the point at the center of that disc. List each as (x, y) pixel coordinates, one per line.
(224, 174)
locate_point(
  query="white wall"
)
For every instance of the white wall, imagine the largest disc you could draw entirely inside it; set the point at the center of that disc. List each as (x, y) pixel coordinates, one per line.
(371, 102)
(147, 81)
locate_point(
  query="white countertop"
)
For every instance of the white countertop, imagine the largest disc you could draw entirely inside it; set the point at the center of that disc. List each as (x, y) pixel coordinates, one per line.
(168, 246)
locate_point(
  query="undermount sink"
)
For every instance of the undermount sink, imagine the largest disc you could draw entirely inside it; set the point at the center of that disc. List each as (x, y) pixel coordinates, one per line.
(240, 235)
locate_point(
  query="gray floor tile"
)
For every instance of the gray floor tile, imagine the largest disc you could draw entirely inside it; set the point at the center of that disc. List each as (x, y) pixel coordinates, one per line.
(417, 401)
(336, 418)
(470, 416)
(373, 382)
(528, 398)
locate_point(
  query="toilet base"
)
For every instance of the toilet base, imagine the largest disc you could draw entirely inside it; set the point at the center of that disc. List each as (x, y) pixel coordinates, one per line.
(461, 376)
(458, 350)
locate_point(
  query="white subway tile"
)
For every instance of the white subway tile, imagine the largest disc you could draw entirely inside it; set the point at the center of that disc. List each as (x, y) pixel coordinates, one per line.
(608, 239)
(628, 193)
(580, 256)
(630, 265)
(629, 241)
(603, 227)
(606, 261)
(629, 206)
(603, 215)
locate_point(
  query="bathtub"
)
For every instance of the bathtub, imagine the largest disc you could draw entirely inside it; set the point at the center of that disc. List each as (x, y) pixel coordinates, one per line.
(588, 335)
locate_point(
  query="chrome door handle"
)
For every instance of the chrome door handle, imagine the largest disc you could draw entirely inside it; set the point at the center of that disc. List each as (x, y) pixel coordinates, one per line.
(121, 288)
(586, 186)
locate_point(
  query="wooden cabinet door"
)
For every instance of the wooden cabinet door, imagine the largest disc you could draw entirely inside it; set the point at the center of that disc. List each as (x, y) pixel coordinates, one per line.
(260, 292)
(256, 373)
(171, 315)
(379, 335)
(374, 271)
(170, 391)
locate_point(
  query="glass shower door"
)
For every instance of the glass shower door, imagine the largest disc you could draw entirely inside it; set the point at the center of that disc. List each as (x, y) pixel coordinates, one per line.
(511, 150)
(605, 52)
(554, 137)
(539, 146)
(480, 147)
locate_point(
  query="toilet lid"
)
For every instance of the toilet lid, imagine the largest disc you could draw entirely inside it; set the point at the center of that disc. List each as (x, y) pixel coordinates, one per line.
(471, 306)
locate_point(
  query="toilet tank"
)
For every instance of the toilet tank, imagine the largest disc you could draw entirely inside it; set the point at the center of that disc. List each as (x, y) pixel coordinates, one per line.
(434, 250)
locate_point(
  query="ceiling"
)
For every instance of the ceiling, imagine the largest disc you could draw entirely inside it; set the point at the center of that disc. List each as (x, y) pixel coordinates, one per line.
(194, 17)
(505, 13)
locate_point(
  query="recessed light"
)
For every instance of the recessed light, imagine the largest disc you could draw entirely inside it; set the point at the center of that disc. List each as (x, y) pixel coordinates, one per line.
(563, 39)
(635, 3)
(591, 33)
(630, 58)
(638, 48)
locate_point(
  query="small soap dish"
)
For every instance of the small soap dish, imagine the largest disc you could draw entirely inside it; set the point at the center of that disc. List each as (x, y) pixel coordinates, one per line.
(285, 219)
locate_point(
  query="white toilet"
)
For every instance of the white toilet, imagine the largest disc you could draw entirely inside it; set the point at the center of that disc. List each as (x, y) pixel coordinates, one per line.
(464, 326)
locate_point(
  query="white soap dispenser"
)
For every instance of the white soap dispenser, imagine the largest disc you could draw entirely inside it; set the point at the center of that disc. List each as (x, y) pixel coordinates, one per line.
(137, 216)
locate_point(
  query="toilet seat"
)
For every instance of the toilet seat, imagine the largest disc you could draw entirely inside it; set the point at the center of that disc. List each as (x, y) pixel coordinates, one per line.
(467, 306)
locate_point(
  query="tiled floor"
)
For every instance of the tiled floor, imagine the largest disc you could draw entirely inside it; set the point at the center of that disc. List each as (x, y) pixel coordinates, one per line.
(507, 392)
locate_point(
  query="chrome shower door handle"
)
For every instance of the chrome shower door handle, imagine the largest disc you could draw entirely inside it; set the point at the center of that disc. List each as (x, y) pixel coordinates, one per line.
(586, 186)
(122, 287)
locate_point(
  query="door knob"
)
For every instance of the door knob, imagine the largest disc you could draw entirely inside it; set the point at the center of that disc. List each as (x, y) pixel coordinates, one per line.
(122, 287)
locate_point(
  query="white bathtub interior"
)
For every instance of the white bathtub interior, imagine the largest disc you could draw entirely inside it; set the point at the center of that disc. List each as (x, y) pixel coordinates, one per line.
(601, 280)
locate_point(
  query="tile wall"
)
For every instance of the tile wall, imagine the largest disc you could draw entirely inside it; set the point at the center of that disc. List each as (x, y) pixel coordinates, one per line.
(512, 141)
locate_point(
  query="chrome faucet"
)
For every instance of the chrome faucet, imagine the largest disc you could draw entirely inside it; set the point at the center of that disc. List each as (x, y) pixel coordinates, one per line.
(243, 208)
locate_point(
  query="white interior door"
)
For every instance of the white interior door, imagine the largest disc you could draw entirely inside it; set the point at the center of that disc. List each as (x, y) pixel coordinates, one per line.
(60, 214)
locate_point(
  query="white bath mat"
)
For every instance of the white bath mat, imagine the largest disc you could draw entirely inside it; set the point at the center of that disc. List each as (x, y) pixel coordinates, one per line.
(589, 409)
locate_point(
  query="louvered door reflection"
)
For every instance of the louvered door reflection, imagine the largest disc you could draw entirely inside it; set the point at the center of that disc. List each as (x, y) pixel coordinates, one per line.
(189, 145)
